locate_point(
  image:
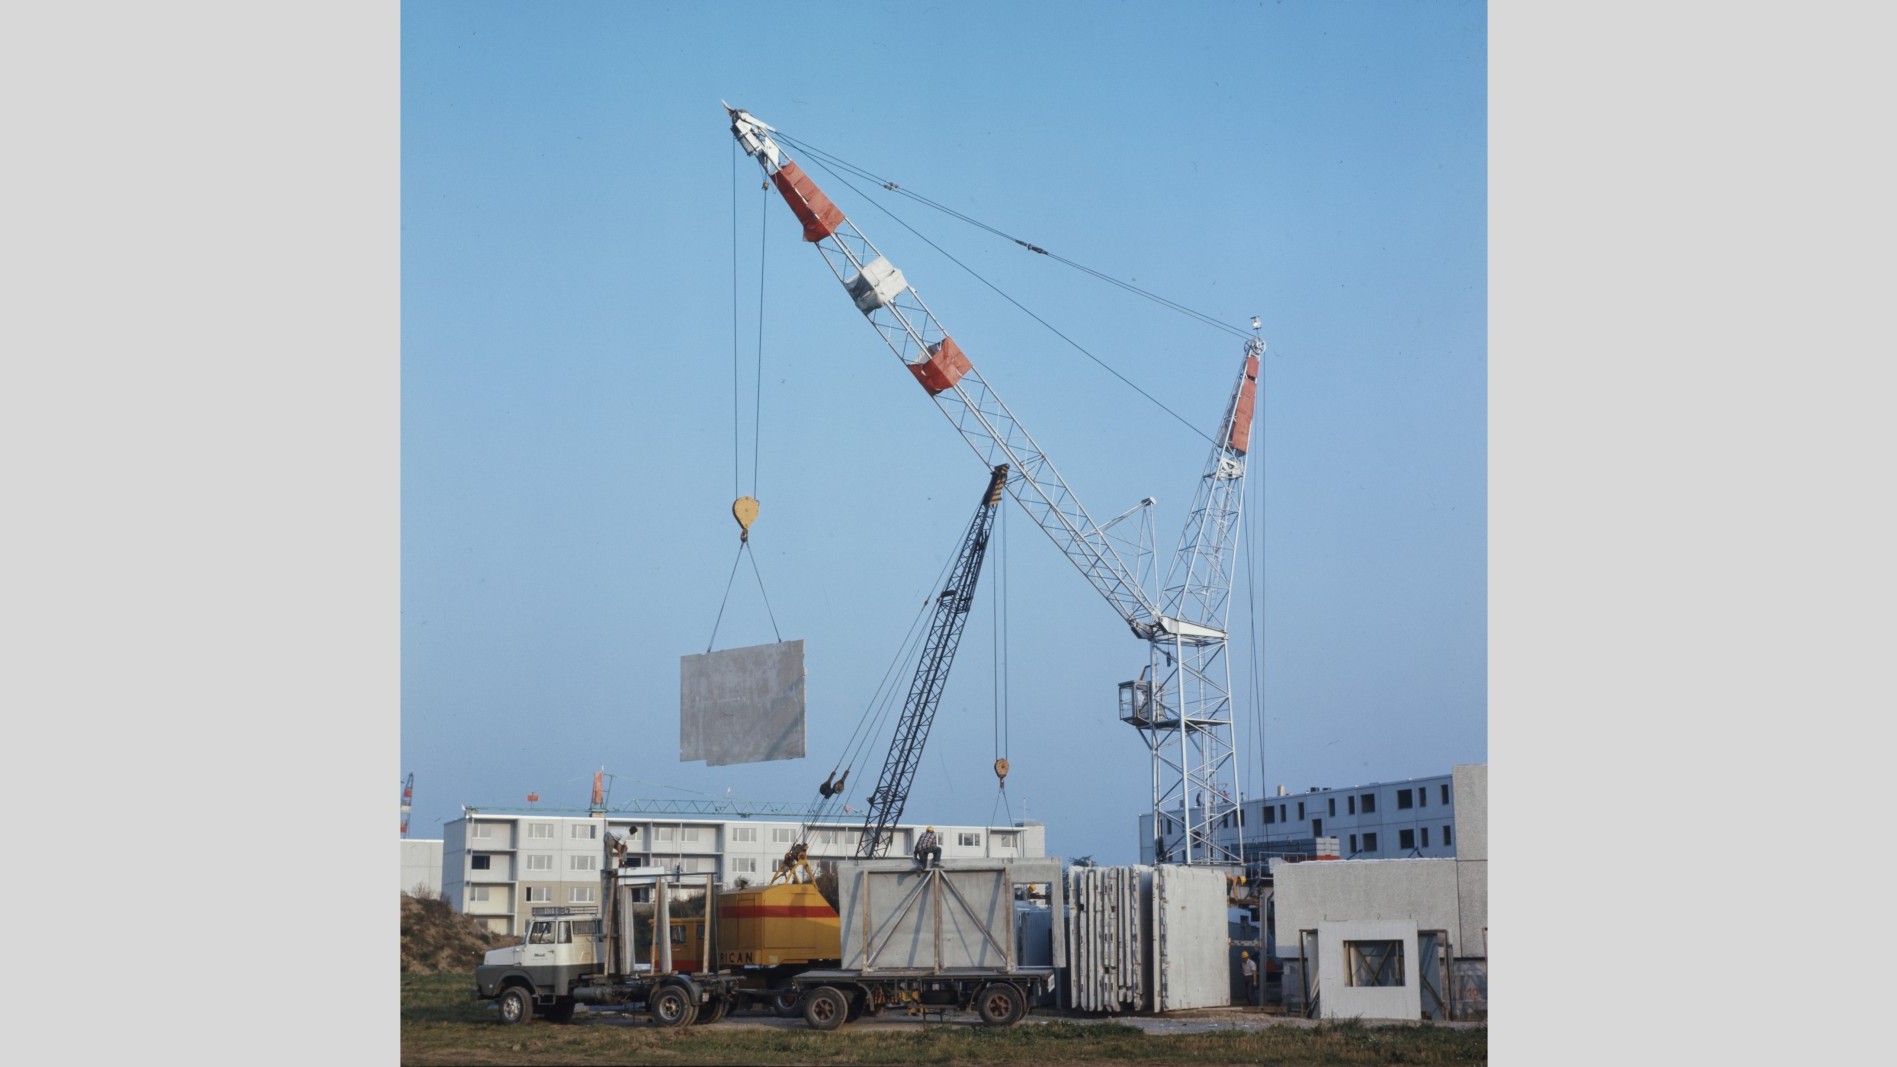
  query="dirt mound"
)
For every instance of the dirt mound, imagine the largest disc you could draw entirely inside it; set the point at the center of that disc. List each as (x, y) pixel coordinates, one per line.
(436, 939)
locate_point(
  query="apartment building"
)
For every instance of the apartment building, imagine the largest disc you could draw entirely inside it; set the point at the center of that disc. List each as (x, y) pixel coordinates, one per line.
(499, 866)
(1414, 817)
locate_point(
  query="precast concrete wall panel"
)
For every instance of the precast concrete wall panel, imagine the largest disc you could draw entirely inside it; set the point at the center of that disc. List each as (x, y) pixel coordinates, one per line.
(1107, 932)
(1191, 939)
(944, 918)
(742, 705)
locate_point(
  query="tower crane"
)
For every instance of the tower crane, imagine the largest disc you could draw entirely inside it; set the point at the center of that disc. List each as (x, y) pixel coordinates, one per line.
(1181, 702)
(408, 801)
(932, 669)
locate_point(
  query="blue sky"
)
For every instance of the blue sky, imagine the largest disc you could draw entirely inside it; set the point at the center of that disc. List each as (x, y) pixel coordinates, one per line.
(577, 268)
(204, 412)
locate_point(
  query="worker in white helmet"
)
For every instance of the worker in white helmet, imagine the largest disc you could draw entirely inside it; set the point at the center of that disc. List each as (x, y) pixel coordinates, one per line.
(928, 848)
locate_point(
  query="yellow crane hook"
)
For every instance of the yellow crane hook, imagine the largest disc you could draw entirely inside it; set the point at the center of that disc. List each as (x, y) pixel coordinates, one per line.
(744, 509)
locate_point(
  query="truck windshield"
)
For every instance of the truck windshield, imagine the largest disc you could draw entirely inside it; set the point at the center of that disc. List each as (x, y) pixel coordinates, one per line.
(542, 934)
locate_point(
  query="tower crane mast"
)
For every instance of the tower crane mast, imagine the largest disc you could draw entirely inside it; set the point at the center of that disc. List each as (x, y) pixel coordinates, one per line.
(1181, 704)
(932, 669)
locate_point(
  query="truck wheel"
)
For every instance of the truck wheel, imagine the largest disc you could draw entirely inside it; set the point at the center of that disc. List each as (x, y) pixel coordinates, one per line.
(670, 1006)
(561, 1012)
(825, 1008)
(1000, 1004)
(785, 1004)
(516, 1004)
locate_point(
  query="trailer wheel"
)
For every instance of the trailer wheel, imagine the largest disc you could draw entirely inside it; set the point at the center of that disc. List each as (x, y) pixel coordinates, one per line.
(825, 1008)
(516, 1004)
(785, 1004)
(670, 1006)
(712, 1012)
(1000, 1004)
(562, 1010)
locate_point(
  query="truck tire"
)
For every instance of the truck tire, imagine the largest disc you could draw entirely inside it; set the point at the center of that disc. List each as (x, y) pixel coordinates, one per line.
(825, 1008)
(516, 1004)
(561, 1012)
(671, 1006)
(785, 1004)
(1000, 1004)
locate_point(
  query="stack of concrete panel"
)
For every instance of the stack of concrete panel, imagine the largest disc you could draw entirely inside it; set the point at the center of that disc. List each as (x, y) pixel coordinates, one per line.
(1106, 937)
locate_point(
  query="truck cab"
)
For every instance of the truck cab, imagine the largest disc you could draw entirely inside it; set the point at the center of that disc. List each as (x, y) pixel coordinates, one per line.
(560, 945)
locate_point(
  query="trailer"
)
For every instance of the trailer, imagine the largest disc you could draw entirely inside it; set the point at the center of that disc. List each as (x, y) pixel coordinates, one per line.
(941, 936)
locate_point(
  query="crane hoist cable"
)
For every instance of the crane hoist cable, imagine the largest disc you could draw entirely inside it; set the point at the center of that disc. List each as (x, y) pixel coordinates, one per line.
(744, 509)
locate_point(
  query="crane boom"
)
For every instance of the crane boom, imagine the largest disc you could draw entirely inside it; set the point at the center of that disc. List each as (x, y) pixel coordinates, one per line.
(919, 340)
(1181, 704)
(932, 670)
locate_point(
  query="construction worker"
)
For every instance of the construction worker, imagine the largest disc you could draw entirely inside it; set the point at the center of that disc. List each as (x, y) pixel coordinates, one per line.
(1249, 967)
(927, 846)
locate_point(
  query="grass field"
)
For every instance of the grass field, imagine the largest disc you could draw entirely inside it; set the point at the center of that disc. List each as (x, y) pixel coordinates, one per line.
(441, 1026)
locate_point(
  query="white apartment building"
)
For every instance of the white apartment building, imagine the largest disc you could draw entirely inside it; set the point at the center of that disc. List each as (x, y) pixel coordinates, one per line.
(498, 866)
(1384, 820)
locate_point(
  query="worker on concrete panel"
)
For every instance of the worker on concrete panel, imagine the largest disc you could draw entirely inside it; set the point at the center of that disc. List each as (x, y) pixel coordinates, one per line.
(928, 849)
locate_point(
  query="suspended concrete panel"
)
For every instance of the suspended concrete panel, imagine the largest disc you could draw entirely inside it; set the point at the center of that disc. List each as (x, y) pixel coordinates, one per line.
(742, 705)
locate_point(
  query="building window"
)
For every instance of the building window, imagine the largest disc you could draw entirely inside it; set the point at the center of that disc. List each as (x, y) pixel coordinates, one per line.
(783, 835)
(631, 834)
(1003, 842)
(1406, 839)
(1300, 811)
(744, 864)
(1445, 793)
(744, 833)
(1448, 838)
(477, 894)
(579, 894)
(1271, 815)
(586, 862)
(484, 829)
(968, 840)
(540, 829)
(1373, 963)
(1333, 804)
(587, 830)
(1281, 813)
(1353, 844)
(1425, 837)
(539, 894)
(1422, 797)
(1403, 798)
(664, 833)
(481, 863)
(689, 833)
(1370, 842)
(1369, 803)
(1351, 802)
(540, 863)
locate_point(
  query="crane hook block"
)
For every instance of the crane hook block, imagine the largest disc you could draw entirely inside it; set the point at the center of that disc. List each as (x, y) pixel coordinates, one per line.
(1001, 769)
(744, 509)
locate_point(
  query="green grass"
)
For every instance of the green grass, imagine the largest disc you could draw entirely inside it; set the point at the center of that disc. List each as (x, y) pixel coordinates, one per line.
(441, 1025)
